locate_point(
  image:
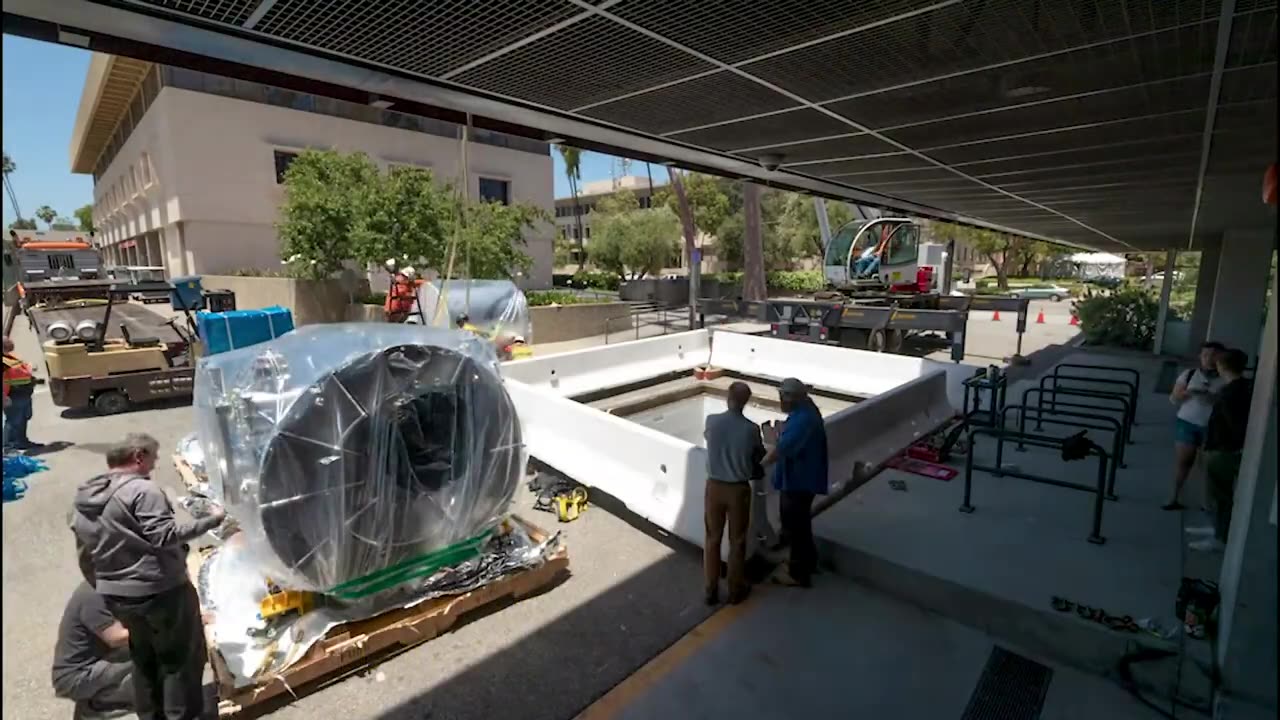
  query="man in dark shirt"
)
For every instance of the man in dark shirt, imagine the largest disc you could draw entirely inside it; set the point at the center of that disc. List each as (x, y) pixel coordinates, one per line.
(799, 474)
(1223, 443)
(91, 661)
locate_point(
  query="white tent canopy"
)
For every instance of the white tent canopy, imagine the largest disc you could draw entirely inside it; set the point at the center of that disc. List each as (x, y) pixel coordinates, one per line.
(1091, 266)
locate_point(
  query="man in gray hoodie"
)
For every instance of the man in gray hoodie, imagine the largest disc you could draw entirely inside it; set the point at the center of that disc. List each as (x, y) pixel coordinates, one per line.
(132, 550)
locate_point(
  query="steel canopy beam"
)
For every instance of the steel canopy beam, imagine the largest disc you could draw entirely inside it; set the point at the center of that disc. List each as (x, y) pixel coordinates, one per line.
(1225, 17)
(144, 34)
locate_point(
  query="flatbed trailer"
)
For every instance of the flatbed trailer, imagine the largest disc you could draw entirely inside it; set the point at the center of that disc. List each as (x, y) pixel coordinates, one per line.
(878, 322)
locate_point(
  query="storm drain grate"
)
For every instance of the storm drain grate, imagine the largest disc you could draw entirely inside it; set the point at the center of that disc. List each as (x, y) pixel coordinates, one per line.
(1012, 687)
(1167, 377)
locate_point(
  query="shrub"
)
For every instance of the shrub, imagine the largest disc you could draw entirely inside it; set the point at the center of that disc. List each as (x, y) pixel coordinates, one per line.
(796, 280)
(561, 279)
(1126, 318)
(373, 298)
(539, 298)
(595, 279)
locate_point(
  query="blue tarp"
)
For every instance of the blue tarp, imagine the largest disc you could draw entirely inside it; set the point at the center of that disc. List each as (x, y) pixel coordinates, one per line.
(17, 467)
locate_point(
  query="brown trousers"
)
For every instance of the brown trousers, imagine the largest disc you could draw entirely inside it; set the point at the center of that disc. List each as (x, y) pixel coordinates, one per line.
(729, 501)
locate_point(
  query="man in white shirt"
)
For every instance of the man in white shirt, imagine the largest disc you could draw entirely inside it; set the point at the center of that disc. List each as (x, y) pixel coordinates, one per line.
(1194, 394)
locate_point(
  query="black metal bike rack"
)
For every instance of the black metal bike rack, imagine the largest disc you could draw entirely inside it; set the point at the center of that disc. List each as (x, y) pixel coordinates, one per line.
(1112, 426)
(1099, 490)
(1137, 376)
(1056, 382)
(1124, 407)
(1131, 389)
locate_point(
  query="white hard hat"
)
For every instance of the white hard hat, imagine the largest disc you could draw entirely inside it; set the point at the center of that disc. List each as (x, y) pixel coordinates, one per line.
(390, 263)
(409, 272)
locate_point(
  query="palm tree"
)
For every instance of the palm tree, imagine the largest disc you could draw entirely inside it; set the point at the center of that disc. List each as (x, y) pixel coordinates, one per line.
(9, 168)
(573, 172)
(47, 214)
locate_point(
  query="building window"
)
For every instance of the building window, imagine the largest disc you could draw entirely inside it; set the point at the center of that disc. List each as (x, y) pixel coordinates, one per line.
(145, 164)
(283, 161)
(493, 190)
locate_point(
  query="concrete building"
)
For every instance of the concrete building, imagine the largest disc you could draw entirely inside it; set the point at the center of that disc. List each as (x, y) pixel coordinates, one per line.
(188, 166)
(589, 195)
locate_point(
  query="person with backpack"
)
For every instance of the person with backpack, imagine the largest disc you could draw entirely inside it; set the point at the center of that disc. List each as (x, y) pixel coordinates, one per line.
(1223, 445)
(1194, 394)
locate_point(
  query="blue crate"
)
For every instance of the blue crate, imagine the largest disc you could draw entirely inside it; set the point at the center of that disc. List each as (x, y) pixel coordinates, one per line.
(235, 329)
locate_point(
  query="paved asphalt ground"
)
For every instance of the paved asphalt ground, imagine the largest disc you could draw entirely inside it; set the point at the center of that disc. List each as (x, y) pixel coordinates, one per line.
(630, 592)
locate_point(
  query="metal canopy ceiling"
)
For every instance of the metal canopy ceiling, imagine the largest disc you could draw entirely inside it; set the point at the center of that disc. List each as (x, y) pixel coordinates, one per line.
(1109, 124)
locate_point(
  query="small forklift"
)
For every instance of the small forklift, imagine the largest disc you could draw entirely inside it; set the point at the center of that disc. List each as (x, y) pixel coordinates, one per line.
(89, 368)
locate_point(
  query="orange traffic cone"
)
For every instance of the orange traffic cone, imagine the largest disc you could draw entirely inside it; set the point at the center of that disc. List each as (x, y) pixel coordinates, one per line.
(1075, 320)
(996, 316)
(1040, 318)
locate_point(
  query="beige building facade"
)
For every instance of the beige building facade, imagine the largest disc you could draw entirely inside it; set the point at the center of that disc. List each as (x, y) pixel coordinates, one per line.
(188, 166)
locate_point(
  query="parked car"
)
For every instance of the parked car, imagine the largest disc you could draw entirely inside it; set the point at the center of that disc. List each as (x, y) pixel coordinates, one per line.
(1107, 282)
(1051, 292)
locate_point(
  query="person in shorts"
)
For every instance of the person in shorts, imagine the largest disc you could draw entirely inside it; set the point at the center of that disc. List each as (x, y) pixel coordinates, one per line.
(1194, 394)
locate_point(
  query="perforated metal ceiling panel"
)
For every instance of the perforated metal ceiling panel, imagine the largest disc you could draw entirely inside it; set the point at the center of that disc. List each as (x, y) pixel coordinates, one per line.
(1075, 119)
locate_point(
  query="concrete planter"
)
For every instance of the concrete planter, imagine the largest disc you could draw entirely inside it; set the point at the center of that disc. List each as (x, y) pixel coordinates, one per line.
(311, 301)
(555, 323)
(364, 313)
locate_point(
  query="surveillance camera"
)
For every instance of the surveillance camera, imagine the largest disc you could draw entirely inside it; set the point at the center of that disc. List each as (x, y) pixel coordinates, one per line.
(770, 161)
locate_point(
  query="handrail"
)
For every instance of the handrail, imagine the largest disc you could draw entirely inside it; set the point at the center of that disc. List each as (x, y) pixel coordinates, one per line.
(663, 310)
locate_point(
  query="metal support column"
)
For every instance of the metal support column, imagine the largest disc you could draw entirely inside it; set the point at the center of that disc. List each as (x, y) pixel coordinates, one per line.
(1166, 288)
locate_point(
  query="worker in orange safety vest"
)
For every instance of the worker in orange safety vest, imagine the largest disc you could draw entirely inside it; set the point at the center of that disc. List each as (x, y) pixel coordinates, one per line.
(19, 388)
(401, 295)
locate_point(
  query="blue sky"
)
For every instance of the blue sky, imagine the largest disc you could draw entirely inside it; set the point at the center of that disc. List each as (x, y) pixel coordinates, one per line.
(42, 83)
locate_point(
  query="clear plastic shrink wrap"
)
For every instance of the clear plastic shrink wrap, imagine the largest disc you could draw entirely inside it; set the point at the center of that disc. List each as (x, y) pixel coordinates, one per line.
(359, 456)
(497, 307)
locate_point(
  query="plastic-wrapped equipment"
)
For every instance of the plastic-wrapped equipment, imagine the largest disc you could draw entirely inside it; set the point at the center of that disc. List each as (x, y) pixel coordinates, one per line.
(497, 307)
(359, 456)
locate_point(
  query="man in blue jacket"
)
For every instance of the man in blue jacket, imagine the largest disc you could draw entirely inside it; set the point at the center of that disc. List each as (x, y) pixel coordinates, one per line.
(800, 472)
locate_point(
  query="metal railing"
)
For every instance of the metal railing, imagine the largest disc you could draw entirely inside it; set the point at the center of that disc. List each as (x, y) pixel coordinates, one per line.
(648, 314)
(1131, 390)
(1124, 407)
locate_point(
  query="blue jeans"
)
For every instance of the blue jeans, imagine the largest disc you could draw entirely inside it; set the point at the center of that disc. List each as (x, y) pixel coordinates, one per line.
(16, 417)
(866, 266)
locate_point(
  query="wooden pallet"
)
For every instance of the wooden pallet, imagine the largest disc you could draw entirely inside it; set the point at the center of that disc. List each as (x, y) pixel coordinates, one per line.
(354, 646)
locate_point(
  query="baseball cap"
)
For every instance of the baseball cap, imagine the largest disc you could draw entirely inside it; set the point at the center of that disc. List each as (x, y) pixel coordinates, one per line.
(792, 386)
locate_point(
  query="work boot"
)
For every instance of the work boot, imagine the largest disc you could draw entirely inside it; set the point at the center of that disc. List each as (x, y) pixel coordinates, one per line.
(740, 596)
(782, 576)
(711, 597)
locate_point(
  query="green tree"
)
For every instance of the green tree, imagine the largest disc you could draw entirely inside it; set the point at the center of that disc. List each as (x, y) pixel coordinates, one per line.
(1001, 250)
(631, 242)
(85, 216)
(403, 214)
(63, 223)
(493, 238)
(797, 227)
(573, 173)
(23, 224)
(708, 202)
(326, 203)
(47, 214)
(10, 167)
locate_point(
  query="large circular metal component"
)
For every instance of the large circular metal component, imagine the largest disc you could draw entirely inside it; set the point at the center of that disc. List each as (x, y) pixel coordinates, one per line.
(396, 453)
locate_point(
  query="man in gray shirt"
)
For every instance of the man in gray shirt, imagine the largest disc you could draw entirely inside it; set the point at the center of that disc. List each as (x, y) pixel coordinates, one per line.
(133, 552)
(734, 451)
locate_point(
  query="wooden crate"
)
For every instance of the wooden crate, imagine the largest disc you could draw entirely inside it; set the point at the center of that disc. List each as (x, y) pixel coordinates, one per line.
(350, 647)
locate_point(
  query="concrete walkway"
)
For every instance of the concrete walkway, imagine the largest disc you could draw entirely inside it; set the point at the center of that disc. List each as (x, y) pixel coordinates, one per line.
(837, 650)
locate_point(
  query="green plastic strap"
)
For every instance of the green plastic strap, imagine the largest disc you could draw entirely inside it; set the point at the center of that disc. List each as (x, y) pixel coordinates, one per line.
(416, 567)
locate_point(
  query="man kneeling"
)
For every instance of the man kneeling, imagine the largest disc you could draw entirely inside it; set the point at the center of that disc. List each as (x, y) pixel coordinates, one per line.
(91, 662)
